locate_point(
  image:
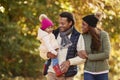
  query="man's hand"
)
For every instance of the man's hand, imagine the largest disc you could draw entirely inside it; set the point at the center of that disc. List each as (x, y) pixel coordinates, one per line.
(51, 55)
(64, 66)
(82, 54)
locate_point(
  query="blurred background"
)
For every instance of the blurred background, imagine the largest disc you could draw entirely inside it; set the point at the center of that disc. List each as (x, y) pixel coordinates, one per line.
(19, 55)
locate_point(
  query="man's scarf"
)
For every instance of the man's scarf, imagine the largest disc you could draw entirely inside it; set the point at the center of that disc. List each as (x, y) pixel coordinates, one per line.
(65, 43)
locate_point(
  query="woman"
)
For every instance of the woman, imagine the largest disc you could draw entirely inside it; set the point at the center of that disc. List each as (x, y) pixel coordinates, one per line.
(97, 45)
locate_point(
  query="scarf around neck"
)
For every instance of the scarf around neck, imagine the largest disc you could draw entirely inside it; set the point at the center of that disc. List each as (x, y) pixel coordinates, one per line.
(65, 42)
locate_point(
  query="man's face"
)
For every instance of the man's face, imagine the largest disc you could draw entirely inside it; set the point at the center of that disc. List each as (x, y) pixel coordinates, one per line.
(64, 24)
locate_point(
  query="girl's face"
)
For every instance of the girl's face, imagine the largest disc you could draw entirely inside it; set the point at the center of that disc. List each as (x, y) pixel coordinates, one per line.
(49, 29)
(85, 27)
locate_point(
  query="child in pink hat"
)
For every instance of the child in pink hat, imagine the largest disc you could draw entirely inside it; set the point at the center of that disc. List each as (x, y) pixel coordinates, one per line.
(48, 42)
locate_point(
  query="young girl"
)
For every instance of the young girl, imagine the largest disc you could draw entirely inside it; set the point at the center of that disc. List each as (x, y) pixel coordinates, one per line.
(48, 41)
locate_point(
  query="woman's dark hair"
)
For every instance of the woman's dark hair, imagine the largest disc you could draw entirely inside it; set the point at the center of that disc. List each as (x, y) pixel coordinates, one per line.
(69, 17)
(96, 42)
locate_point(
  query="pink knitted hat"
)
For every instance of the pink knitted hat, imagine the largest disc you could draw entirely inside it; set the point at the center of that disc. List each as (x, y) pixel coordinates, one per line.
(45, 23)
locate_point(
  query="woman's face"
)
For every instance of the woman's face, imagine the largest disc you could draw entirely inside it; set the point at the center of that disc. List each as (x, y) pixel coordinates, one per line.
(85, 27)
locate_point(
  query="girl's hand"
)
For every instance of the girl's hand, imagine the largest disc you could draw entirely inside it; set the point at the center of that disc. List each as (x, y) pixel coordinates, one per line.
(51, 55)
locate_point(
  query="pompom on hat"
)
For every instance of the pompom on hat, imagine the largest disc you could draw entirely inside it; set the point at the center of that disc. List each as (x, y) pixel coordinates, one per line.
(45, 22)
(91, 20)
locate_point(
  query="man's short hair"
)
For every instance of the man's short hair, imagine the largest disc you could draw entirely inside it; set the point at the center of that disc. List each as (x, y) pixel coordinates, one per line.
(69, 16)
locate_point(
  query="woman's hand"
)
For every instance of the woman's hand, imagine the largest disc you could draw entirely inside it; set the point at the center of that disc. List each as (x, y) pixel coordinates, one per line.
(82, 54)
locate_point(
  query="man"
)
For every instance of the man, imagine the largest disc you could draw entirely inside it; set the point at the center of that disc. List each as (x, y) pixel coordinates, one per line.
(71, 42)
